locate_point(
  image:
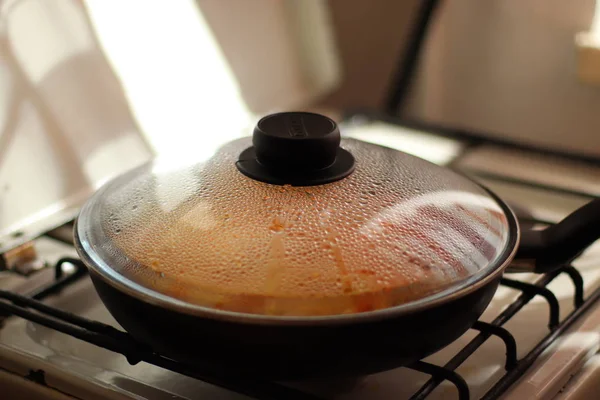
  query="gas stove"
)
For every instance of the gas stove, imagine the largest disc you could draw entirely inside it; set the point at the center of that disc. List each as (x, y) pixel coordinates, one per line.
(537, 340)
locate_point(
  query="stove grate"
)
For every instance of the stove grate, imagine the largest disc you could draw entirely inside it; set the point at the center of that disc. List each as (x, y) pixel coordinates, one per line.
(516, 368)
(534, 290)
(112, 339)
(442, 373)
(505, 336)
(514, 374)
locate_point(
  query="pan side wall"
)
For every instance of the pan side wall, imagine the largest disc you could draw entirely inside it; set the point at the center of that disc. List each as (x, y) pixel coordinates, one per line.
(296, 352)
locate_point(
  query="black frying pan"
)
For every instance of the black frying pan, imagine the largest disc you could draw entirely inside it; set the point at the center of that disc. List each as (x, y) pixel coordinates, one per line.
(356, 344)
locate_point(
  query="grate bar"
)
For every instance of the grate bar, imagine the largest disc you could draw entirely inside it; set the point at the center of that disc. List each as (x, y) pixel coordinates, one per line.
(577, 283)
(123, 345)
(109, 338)
(61, 280)
(478, 340)
(541, 291)
(515, 374)
(21, 302)
(444, 374)
(59, 271)
(507, 338)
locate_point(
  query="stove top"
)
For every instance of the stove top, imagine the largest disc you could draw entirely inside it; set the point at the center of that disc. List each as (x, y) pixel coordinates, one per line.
(555, 332)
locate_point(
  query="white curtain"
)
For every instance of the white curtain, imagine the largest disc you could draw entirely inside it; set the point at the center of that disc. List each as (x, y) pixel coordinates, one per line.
(65, 122)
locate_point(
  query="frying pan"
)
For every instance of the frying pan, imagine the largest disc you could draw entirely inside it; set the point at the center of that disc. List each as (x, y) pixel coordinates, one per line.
(301, 347)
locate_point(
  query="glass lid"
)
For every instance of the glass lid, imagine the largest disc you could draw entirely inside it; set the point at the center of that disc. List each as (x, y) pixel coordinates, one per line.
(294, 221)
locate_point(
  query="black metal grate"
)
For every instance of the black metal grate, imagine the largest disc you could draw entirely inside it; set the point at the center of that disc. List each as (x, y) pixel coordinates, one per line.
(514, 367)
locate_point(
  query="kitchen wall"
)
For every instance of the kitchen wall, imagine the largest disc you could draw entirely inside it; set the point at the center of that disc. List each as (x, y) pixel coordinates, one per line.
(509, 69)
(350, 47)
(370, 36)
(283, 53)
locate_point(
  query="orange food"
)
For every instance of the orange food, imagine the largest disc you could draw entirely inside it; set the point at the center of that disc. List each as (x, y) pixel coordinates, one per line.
(351, 246)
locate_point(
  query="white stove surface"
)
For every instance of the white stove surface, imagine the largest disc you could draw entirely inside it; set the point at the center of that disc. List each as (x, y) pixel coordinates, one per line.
(84, 371)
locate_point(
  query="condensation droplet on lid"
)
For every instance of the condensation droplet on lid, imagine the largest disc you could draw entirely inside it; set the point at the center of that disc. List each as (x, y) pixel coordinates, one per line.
(284, 234)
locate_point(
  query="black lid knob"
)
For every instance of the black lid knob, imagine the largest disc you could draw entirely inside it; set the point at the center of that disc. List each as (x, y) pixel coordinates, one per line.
(296, 140)
(296, 148)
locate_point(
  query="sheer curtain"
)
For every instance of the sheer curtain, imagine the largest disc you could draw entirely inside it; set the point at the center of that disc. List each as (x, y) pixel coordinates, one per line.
(65, 123)
(91, 88)
(198, 72)
(179, 85)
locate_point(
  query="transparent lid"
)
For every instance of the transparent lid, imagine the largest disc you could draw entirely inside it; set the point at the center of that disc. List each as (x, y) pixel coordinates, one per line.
(389, 230)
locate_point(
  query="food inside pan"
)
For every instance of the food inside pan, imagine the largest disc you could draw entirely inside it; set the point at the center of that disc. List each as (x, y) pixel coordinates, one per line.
(210, 236)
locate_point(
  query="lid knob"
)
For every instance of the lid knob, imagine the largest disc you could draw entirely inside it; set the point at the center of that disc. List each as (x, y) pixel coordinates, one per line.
(296, 140)
(296, 148)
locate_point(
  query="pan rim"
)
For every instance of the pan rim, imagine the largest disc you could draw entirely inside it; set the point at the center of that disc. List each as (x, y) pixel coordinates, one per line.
(487, 275)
